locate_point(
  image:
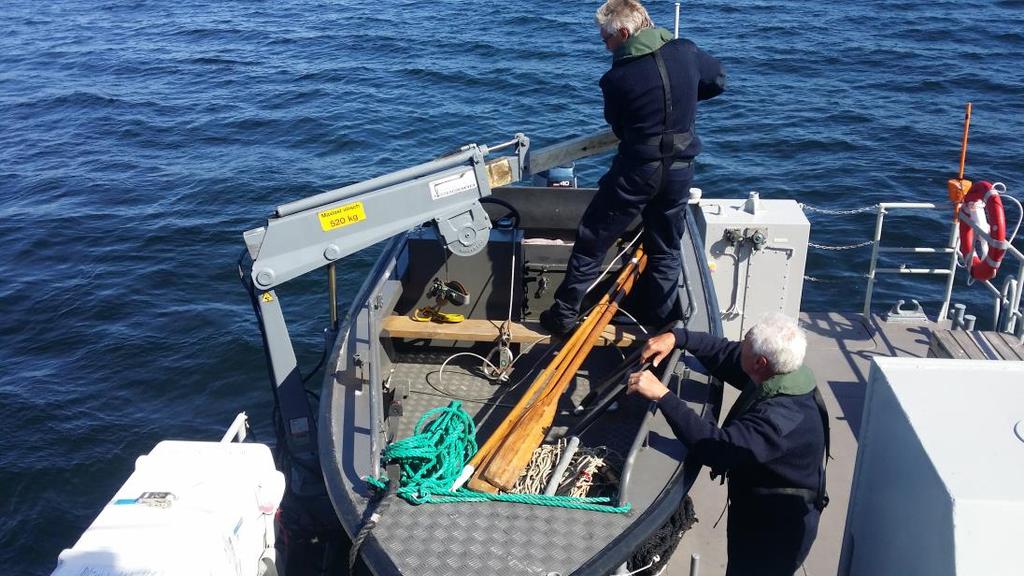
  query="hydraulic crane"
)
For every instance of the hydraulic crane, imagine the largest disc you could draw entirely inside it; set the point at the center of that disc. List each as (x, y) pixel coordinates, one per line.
(320, 230)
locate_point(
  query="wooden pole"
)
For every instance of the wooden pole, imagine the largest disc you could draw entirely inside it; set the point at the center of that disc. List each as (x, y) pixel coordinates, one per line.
(506, 463)
(484, 454)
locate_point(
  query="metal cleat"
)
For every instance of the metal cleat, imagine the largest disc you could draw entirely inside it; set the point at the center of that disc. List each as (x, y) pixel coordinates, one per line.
(899, 314)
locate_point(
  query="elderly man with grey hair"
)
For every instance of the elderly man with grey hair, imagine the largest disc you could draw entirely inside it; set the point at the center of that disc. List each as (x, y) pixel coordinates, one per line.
(770, 446)
(650, 102)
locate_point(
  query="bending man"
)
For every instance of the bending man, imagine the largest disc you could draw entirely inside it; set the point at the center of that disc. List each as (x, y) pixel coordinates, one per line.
(770, 445)
(650, 102)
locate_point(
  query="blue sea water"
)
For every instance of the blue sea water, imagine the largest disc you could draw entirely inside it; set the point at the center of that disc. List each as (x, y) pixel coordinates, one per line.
(139, 139)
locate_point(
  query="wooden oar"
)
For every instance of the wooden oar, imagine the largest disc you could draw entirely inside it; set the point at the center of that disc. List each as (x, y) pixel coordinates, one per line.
(484, 453)
(506, 464)
(515, 452)
(569, 349)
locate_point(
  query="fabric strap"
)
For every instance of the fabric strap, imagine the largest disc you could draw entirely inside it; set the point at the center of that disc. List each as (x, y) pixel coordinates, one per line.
(819, 499)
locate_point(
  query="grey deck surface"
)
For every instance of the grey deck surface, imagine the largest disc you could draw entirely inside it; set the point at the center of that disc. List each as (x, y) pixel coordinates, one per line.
(840, 348)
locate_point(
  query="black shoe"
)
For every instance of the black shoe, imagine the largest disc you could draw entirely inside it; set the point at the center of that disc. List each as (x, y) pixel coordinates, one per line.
(555, 327)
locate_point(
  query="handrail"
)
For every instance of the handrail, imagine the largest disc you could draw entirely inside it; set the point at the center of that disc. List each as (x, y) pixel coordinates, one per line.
(1008, 315)
(881, 210)
(640, 440)
(237, 432)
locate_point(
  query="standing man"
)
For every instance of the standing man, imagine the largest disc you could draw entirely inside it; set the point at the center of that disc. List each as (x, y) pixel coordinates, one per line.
(770, 446)
(650, 102)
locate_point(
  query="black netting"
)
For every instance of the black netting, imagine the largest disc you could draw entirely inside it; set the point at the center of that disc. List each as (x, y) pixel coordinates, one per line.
(663, 541)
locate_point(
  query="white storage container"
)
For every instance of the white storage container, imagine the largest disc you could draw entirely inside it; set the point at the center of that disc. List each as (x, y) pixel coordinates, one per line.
(939, 483)
(188, 509)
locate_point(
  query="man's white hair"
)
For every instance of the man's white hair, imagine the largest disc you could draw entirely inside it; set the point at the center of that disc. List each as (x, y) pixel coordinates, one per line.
(780, 339)
(629, 14)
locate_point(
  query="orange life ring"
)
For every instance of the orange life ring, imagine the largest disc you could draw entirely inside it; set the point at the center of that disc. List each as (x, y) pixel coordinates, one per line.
(983, 206)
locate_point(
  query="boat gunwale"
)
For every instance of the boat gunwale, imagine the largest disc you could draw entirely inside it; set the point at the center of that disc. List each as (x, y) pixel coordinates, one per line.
(606, 559)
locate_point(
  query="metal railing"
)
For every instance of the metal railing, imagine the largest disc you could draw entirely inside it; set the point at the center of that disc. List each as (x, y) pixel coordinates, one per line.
(1007, 314)
(877, 248)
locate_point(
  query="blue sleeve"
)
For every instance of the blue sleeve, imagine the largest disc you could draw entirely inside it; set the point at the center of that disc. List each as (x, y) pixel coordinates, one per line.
(755, 437)
(712, 76)
(612, 106)
(719, 355)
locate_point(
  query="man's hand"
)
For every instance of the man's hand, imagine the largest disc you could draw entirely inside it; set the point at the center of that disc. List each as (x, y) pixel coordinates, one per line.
(657, 347)
(647, 385)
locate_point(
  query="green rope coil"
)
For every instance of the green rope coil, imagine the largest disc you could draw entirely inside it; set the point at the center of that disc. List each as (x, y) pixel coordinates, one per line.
(443, 441)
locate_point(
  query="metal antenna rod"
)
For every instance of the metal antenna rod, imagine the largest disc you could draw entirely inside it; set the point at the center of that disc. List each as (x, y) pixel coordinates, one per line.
(332, 295)
(677, 18)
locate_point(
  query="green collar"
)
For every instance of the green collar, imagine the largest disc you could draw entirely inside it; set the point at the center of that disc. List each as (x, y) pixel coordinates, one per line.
(643, 42)
(795, 383)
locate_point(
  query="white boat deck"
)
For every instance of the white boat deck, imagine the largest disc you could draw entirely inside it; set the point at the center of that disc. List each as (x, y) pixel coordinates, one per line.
(840, 348)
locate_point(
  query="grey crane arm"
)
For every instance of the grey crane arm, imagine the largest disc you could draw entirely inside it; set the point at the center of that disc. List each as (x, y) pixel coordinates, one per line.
(315, 231)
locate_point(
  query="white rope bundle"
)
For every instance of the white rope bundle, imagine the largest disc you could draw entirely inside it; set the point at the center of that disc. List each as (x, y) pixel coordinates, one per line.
(589, 468)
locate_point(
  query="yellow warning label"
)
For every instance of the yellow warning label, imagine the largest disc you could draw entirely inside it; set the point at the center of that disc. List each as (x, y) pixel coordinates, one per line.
(268, 297)
(342, 216)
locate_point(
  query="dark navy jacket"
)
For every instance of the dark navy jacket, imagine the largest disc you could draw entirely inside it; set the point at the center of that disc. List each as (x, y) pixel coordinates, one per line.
(777, 442)
(634, 104)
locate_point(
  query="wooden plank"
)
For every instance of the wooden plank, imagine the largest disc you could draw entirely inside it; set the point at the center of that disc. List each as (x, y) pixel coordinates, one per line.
(564, 152)
(474, 330)
(1000, 347)
(969, 346)
(1014, 344)
(943, 345)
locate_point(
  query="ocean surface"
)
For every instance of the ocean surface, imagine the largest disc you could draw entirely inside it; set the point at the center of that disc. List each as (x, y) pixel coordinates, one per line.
(138, 140)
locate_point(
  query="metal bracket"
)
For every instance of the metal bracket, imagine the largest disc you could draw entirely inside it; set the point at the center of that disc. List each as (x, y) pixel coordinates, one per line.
(757, 238)
(733, 236)
(465, 233)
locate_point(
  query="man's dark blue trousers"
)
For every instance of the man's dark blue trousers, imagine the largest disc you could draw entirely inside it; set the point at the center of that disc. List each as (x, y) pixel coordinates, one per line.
(630, 188)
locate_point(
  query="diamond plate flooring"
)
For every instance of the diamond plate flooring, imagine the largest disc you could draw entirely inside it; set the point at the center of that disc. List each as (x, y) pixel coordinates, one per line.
(499, 538)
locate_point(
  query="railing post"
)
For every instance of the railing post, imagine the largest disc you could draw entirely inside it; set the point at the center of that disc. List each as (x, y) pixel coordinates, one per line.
(954, 237)
(874, 261)
(1006, 308)
(1015, 302)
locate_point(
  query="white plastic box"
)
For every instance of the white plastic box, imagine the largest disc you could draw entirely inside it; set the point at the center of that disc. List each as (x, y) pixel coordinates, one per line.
(939, 484)
(188, 509)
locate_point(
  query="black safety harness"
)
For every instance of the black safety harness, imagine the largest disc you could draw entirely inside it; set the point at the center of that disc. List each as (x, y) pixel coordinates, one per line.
(668, 147)
(817, 498)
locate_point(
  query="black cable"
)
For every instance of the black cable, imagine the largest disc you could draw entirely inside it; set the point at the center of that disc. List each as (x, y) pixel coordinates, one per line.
(316, 369)
(383, 501)
(276, 420)
(516, 219)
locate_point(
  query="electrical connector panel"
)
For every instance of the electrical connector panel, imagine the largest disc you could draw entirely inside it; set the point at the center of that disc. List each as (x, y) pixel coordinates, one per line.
(756, 251)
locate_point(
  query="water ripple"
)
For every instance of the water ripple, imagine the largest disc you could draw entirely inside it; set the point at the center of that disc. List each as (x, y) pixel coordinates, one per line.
(141, 139)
